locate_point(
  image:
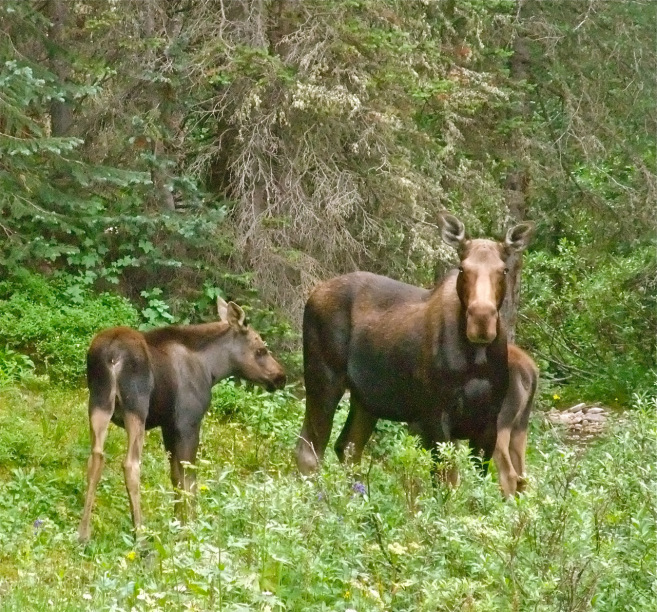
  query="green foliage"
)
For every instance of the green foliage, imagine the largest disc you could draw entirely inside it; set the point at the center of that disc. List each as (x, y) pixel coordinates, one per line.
(590, 317)
(14, 367)
(374, 538)
(157, 312)
(53, 322)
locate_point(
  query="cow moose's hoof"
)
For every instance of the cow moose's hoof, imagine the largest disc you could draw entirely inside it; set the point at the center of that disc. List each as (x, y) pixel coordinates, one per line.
(307, 459)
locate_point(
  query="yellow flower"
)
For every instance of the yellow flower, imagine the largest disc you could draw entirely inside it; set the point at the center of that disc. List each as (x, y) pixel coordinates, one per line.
(131, 556)
(347, 594)
(202, 488)
(556, 397)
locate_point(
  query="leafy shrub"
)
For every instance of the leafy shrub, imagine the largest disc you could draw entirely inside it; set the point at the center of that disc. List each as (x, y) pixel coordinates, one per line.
(14, 367)
(590, 317)
(53, 321)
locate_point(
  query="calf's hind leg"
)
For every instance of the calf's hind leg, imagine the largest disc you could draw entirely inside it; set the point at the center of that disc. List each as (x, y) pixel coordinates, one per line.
(518, 448)
(135, 428)
(506, 470)
(99, 419)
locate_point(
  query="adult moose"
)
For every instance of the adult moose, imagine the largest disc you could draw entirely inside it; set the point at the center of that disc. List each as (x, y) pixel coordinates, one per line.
(438, 358)
(163, 378)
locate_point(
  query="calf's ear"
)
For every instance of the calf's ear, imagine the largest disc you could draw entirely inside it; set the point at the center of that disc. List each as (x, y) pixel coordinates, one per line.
(452, 230)
(519, 237)
(236, 315)
(222, 309)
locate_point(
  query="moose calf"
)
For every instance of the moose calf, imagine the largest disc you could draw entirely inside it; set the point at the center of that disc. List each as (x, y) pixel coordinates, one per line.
(163, 378)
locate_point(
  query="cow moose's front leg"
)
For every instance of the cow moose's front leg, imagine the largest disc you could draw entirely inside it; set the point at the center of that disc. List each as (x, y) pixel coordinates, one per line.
(356, 432)
(324, 389)
(433, 430)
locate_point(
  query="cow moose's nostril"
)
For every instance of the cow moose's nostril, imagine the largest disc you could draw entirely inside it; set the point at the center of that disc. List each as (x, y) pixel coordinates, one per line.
(481, 323)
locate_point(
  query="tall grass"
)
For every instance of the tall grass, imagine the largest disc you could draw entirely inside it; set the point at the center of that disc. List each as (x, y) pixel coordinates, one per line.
(377, 538)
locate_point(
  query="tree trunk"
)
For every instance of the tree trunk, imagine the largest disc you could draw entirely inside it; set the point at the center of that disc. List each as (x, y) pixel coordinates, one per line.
(61, 116)
(160, 99)
(516, 183)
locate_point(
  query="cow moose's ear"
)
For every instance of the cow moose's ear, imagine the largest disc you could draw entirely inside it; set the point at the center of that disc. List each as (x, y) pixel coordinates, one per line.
(452, 230)
(236, 315)
(222, 309)
(519, 237)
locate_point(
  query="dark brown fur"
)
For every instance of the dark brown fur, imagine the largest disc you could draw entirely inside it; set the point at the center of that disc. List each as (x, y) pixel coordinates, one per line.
(163, 378)
(438, 358)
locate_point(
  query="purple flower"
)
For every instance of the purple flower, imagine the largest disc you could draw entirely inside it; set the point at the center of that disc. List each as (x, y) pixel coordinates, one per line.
(37, 525)
(359, 487)
(320, 496)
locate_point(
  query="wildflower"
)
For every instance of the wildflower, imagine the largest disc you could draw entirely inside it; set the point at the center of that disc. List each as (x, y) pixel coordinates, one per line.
(320, 496)
(131, 556)
(202, 488)
(397, 548)
(359, 487)
(37, 525)
(556, 397)
(87, 596)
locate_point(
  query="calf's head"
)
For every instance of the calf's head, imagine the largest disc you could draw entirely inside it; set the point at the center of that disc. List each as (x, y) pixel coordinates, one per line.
(248, 354)
(481, 283)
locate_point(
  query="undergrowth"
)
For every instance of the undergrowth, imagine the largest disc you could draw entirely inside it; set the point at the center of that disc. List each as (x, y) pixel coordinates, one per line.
(377, 538)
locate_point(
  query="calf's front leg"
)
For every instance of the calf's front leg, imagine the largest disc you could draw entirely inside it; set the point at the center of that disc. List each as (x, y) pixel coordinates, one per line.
(182, 448)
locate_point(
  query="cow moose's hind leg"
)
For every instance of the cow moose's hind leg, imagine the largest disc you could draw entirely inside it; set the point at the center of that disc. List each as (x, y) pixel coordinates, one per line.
(323, 394)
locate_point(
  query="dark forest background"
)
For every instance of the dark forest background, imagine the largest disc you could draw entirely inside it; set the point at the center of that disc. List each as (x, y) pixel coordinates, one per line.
(156, 153)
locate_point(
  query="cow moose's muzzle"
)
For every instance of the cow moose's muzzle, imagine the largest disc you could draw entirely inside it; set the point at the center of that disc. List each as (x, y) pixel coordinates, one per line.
(481, 323)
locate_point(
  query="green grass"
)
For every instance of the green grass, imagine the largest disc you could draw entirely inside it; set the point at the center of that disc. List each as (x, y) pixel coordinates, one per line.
(582, 538)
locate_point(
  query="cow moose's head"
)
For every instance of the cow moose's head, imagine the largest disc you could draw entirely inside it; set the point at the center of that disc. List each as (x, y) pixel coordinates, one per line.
(481, 284)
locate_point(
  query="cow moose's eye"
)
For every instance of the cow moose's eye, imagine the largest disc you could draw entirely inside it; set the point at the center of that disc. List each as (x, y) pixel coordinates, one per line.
(460, 269)
(506, 271)
(261, 352)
